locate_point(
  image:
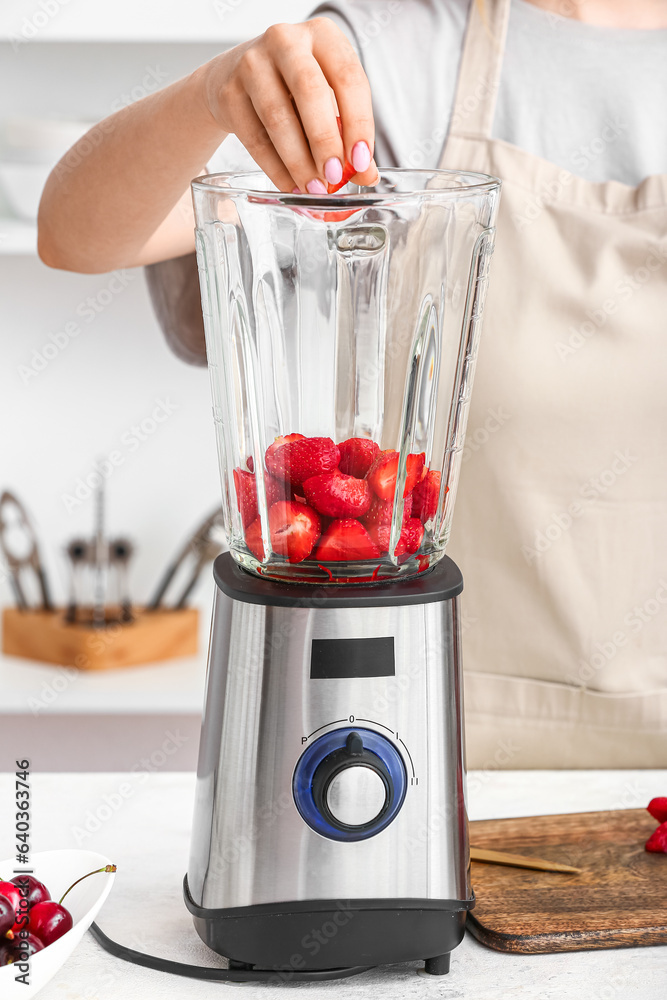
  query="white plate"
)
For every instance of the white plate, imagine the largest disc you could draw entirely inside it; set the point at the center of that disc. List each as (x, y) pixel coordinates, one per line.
(57, 870)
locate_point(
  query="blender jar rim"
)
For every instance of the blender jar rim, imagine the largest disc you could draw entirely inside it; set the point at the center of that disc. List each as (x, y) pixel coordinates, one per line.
(367, 196)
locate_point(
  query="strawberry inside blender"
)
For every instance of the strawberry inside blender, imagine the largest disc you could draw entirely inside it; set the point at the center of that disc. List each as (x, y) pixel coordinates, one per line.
(331, 502)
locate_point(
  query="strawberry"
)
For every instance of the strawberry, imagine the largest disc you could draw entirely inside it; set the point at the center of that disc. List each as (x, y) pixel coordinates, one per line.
(253, 539)
(246, 493)
(409, 541)
(297, 458)
(381, 511)
(337, 495)
(250, 462)
(412, 533)
(658, 809)
(295, 528)
(425, 496)
(382, 473)
(381, 534)
(344, 540)
(657, 842)
(356, 456)
(276, 490)
(278, 443)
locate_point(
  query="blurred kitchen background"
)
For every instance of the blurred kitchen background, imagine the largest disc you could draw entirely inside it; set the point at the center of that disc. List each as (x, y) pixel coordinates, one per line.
(84, 367)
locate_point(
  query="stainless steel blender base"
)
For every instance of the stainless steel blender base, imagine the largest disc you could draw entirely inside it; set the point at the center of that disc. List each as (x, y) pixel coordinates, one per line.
(293, 938)
(309, 690)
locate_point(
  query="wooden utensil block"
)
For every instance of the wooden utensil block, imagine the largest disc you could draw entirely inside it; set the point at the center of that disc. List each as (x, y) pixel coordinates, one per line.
(618, 901)
(151, 637)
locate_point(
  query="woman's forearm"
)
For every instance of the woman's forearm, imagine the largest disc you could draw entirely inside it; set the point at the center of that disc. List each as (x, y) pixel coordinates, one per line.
(120, 196)
(124, 185)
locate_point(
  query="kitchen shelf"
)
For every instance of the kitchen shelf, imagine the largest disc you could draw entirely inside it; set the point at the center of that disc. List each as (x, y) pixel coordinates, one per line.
(17, 236)
(25, 22)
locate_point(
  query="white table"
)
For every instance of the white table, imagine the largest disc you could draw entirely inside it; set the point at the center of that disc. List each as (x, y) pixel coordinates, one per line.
(148, 837)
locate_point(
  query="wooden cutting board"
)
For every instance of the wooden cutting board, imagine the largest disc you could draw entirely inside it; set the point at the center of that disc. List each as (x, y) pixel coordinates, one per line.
(619, 900)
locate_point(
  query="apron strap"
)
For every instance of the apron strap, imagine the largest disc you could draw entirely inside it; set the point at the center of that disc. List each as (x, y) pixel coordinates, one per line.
(480, 68)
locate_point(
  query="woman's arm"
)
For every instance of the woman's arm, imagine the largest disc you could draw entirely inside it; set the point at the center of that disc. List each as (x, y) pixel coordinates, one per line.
(120, 197)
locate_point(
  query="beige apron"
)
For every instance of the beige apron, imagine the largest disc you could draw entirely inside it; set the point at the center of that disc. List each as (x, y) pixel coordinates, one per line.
(560, 525)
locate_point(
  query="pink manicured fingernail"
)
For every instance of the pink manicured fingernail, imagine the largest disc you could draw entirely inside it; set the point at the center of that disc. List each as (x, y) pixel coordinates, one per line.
(316, 187)
(333, 170)
(296, 190)
(361, 157)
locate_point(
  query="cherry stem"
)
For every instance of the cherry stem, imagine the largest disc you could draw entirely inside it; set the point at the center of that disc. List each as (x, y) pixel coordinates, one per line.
(109, 868)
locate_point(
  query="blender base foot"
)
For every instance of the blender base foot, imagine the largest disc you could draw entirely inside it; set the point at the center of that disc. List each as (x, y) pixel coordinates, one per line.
(438, 966)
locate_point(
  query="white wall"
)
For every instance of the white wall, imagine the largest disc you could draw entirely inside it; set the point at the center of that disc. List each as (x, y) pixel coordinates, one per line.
(56, 422)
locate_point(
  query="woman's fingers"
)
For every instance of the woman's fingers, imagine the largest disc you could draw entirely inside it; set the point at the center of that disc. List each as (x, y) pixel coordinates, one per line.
(281, 95)
(313, 98)
(254, 136)
(271, 101)
(346, 77)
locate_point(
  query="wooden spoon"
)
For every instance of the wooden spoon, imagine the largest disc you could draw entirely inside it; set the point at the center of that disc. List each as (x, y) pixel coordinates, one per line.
(519, 861)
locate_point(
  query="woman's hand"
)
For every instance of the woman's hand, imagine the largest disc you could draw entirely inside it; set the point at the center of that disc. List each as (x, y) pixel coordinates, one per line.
(280, 94)
(121, 196)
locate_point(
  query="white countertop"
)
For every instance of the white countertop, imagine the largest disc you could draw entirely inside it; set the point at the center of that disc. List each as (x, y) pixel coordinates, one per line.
(148, 837)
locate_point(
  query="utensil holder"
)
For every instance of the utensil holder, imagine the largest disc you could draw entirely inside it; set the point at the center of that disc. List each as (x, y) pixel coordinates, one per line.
(152, 636)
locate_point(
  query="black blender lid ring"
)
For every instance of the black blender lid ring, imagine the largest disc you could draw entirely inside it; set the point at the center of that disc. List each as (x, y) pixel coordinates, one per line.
(441, 583)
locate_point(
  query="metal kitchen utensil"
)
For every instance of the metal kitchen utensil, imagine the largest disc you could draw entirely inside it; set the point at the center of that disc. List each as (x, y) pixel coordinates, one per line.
(203, 546)
(79, 555)
(17, 532)
(100, 562)
(520, 861)
(121, 551)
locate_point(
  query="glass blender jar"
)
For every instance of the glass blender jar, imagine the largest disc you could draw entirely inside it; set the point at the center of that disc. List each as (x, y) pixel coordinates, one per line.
(341, 336)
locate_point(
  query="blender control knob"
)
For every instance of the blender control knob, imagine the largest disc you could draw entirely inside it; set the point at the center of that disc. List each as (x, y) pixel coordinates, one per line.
(356, 795)
(349, 784)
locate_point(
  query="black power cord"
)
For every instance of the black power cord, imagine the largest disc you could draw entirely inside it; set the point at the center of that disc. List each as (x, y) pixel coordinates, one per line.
(221, 975)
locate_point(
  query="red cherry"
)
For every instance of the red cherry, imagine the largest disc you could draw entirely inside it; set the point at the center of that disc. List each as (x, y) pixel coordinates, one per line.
(23, 947)
(49, 921)
(13, 894)
(36, 891)
(7, 917)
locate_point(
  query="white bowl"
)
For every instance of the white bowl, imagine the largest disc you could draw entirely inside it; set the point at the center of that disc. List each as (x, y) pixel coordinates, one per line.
(23, 184)
(57, 870)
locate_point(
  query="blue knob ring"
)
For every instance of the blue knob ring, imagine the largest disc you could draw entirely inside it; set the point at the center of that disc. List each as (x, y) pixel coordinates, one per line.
(312, 757)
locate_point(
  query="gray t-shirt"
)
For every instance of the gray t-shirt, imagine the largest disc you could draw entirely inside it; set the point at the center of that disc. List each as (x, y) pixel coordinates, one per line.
(589, 99)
